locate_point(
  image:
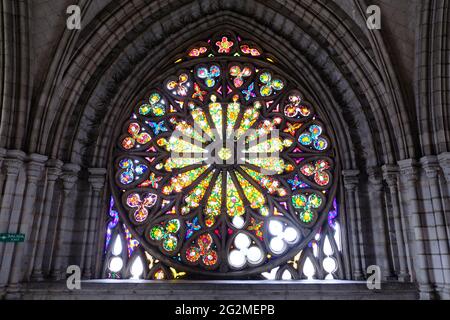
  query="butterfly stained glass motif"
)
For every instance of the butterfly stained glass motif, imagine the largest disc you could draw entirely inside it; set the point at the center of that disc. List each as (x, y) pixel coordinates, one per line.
(157, 127)
(249, 92)
(192, 227)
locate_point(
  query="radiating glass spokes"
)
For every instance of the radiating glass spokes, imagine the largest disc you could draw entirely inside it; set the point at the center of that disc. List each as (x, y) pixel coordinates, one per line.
(253, 195)
(201, 120)
(214, 203)
(248, 119)
(215, 110)
(235, 205)
(269, 164)
(232, 115)
(196, 194)
(183, 180)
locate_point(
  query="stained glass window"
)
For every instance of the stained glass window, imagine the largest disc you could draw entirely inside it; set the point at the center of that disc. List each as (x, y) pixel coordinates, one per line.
(224, 170)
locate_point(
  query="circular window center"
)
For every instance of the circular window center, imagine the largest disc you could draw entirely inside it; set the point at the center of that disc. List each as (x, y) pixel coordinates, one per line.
(225, 153)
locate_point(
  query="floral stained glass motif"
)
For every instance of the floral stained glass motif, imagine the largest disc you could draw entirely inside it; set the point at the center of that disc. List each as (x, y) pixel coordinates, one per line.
(306, 205)
(239, 75)
(225, 167)
(209, 75)
(318, 170)
(165, 233)
(130, 170)
(155, 107)
(203, 251)
(136, 137)
(313, 138)
(141, 206)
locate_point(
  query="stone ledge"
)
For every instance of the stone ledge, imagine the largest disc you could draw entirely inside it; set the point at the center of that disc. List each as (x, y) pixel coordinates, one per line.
(219, 290)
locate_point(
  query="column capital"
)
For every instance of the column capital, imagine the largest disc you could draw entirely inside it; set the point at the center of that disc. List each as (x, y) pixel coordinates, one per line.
(375, 178)
(390, 174)
(71, 168)
(69, 175)
(35, 166)
(409, 169)
(97, 177)
(444, 162)
(351, 179)
(430, 165)
(2, 155)
(14, 161)
(36, 157)
(16, 154)
(374, 173)
(54, 167)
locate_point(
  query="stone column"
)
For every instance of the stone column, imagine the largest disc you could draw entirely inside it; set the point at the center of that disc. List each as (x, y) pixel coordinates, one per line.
(2, 156)
(12, 165)
(351, 181)
(431, 166)
(444, 162)
(379, 217)
(409, 173)
(97, 181)
(69, 178)
(53, 172)
(35, 168)
(390, 174)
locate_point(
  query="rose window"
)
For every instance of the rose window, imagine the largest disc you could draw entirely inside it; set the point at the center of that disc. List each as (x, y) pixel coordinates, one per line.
(224, 169)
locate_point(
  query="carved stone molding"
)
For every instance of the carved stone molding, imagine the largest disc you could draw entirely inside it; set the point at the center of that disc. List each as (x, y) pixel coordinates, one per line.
(35, 167)
(69, 176)
(375, 178)
(444, 162)
(97, 177)
(391, 174)
(430, 165)
(54, 169)
(16, 154)
(2, 155)
(409, 169)
(13, 162)
(351, 179)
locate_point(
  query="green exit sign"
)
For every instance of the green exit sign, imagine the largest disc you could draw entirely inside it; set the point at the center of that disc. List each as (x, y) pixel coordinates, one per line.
(12, 237)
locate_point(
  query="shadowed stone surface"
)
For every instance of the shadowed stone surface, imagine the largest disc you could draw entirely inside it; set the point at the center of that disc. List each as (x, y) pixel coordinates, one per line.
(223, 290)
